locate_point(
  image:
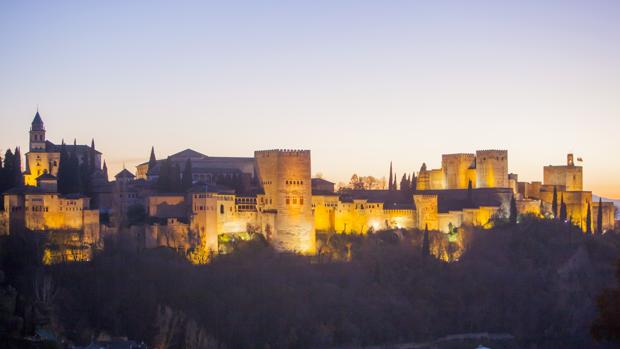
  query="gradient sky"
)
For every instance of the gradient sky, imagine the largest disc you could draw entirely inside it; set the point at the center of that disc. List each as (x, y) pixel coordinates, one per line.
(359, 83)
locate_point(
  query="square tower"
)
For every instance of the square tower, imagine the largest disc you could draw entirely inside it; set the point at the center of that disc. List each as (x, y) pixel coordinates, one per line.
(492, 169)
(285, 177)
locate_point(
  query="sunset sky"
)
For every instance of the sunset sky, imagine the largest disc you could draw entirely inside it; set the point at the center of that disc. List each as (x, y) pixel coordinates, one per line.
(359, 83)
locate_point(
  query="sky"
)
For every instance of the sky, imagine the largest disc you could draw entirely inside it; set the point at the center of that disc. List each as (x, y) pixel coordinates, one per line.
(359, 83)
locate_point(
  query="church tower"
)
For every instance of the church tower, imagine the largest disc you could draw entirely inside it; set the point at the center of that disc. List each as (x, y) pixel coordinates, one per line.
(37, 134)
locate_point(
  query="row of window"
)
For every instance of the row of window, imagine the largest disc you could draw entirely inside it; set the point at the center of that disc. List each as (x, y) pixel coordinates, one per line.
(294, 182)
(294, 201)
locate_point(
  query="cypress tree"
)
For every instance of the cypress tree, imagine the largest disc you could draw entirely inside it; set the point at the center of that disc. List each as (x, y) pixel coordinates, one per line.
(426, 248)
(554, 203)
(92, 155)
(390, 187)
(105, 171)
(9, 164)
(63, 167)
(17, 168)
(152, 160)
(563, 214)
(163, 181)
(589, 220)
(74, 173)
(404, 184)
(599, 217)
(175, 178)
(513, 211)
(413, 184)
(186, 181)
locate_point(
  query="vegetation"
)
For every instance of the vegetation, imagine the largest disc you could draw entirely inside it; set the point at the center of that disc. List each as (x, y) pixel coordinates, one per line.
(10, 173)
(537, 280)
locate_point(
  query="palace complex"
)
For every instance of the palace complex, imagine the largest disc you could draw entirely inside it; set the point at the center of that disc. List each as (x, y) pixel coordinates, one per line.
(189, 200)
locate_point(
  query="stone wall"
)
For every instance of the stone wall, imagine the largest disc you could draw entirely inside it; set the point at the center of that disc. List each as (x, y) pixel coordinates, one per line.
(492, 169)
(286, 179)
(456, 170)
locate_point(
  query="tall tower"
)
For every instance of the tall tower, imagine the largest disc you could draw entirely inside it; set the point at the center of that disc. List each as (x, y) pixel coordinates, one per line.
(286, 180)
(37, 134)
(492, 169)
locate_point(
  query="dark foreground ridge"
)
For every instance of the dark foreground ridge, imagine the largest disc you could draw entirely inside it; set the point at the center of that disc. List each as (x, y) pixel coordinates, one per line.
(536, 281)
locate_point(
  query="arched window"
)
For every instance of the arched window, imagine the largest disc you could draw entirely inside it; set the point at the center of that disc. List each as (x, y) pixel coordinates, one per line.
(221, 209)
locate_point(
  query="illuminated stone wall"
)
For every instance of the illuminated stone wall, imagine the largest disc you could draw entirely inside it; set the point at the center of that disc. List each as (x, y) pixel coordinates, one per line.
(49, 212)
(426, 211)
(528, 206)
(456, 170)
(40, 163)
(609, 214)
(445, 219)
(286, 179)
(492, 169)
(570, 177)
(437, 180)
(325, 207)
(358, 216)
(576, 203)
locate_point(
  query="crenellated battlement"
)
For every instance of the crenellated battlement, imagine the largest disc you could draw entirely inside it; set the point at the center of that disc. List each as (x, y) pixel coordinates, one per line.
(282, 152)
(492, 151)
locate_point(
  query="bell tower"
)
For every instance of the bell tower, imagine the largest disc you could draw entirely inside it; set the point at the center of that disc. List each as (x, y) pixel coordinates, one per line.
(37, 134)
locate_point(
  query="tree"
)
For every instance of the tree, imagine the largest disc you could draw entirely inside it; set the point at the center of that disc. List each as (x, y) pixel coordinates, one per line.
(426, 248)
(404, 184)
(554, 203)
(152, 160)
(7, 179)
(17, 168)
(63, 171)
(186, 181)
(390, 178)
(513, 211)
(563, 213)
(105, 171)
(164, 181)
(599, 217)
(589, 220)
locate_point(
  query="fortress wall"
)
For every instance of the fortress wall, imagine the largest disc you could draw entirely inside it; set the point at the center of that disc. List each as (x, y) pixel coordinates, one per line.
(455, 170)
(423, 180)
(570, 177)
(426, 211)
(324, 212)
(436, 179)
(528, 206)
(401, 219)
(609, 212)
(445, 219)
(492, 169)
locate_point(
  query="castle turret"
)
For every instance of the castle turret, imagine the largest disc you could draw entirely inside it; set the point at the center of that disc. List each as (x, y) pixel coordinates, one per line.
(37, 134)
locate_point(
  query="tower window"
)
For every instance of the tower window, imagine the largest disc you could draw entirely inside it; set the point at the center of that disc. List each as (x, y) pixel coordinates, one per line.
(221, 209)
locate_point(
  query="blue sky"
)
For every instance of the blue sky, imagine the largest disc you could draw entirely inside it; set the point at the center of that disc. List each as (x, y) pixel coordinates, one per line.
(359, 83)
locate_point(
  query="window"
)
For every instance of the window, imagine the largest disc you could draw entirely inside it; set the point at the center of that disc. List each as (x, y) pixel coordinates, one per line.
(221, 209)
(288, 201)
(301, 201)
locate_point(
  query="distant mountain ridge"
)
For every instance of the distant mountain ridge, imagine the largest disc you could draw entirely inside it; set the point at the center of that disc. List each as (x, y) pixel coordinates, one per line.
(615, 201)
